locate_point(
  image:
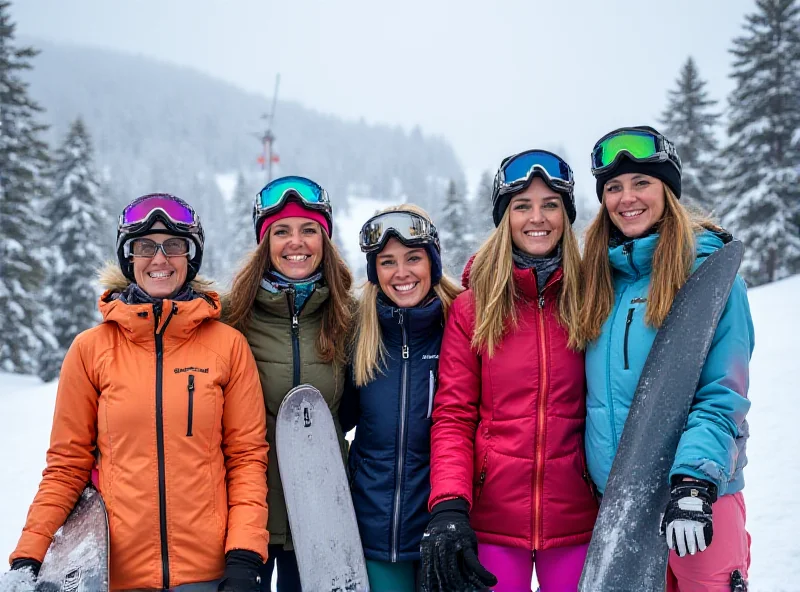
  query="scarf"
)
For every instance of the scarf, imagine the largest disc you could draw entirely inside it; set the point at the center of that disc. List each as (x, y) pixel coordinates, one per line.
(543, 267)
(275, 282)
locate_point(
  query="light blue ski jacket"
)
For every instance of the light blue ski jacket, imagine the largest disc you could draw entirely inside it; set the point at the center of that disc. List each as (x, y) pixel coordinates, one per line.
(713, 443)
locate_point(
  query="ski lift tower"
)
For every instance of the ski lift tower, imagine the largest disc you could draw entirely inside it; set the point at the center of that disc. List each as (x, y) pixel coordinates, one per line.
(268, 155)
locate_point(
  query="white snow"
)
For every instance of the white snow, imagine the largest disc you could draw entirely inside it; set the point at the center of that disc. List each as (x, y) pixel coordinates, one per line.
(773, 475)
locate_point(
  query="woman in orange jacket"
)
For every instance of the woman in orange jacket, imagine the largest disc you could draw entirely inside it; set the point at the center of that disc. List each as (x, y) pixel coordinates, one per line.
(166, 401)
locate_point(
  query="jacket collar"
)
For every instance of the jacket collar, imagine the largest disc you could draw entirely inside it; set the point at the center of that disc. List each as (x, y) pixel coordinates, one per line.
(277, 304)
(177, 320)
(525, 282)
(419, 321)
(634, 258)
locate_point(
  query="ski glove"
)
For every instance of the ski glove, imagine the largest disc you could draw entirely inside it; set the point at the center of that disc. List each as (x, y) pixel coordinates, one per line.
(30, 564)
(449, 552)
(242, 572)
(687, 521)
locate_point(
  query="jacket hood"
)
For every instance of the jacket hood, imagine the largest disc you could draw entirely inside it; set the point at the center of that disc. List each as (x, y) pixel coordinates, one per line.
(137, 320)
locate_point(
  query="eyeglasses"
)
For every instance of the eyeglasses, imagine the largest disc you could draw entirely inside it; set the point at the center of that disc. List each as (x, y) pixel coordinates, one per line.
(147, 248)
(639, 145)
(409, 228)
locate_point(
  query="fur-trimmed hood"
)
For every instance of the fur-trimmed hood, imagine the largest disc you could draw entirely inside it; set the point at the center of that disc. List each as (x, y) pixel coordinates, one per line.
(113, 281)
(136, 318)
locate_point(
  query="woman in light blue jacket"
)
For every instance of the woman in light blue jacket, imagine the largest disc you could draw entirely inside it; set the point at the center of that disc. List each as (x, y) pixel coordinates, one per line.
(639, 251)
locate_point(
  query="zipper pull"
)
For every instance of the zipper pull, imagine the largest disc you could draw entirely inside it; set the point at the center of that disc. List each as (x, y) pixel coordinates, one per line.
(191, 383)
(295, 324)
(405, 352)
(541, 301)
(400, 313)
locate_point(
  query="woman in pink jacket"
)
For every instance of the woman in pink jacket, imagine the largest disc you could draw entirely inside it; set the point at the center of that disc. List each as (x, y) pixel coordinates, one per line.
(507, 460)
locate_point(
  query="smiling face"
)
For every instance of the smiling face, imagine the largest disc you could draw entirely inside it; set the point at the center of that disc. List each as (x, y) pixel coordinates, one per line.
(404, 273)
(295, 247)
(635, 202)
(160, 276)
(536, 216)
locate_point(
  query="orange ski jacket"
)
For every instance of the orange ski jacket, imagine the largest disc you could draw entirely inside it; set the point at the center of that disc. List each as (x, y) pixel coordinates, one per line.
(169, 407)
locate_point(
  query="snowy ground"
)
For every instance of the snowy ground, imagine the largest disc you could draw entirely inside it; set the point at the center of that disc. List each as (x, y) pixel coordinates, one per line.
(773, 475)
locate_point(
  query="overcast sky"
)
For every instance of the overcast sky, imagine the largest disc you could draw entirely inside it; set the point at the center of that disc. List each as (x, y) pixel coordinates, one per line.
(493, 77)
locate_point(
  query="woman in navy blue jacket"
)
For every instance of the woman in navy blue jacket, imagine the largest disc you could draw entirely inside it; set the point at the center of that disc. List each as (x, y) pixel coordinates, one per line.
(392, 381)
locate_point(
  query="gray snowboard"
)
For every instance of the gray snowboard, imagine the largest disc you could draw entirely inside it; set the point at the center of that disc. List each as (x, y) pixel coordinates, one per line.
(77, 560)
(627, 551)
(321, 516)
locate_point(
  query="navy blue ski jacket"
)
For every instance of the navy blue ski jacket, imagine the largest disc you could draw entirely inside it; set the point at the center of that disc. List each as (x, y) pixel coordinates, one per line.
(389, 461)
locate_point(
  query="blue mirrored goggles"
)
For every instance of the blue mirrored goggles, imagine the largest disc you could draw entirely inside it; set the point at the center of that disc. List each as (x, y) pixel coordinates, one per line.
(516, 172)
(275, 193)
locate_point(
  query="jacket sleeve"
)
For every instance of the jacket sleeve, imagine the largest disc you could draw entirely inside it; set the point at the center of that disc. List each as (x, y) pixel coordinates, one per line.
(245, 447)
(350, 407)
(716, 426)
(70, 457)
(455, 409)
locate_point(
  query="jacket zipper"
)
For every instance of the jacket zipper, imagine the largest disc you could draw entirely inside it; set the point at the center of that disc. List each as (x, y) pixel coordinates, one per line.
(402, 448)
(482, 479)
(627, 249)
(539, 467)
(431, 392)
(628, 322)
(295, 339)
(162, 478)
(190, 388)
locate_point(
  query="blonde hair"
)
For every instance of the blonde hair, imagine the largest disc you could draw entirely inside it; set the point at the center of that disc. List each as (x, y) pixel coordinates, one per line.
(672, 263)
(369, 353)
(237, 305)
(492, 285)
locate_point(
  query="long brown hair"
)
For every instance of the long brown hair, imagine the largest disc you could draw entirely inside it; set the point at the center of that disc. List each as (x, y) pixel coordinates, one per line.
(237, 305)
(492, 284)
(369, 352)
(672, 263)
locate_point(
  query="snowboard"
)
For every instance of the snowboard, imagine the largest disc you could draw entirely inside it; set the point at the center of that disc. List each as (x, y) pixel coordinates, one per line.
(321, 516)
(627, 551)
(77, 560)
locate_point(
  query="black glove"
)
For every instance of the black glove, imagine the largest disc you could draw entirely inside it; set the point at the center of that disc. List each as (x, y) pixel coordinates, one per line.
(687, 520)
(242, 572)
(30, 564)
(449, 552)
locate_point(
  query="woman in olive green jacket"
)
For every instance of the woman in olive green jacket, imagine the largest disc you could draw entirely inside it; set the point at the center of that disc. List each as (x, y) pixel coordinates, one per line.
(292, 301)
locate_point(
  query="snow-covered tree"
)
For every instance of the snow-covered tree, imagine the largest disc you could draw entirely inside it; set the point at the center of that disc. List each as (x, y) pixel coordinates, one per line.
(480, 218)
(761, 203)
(79, 231)
(690, 122)
(454, 232)
(25, 329)
(241, 238)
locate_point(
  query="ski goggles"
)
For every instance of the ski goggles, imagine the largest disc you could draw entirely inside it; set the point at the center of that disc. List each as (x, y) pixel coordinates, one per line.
(638, 145)
(409, 228)
(275, 193)
(142, 211)
(516, 172)
(147, 248)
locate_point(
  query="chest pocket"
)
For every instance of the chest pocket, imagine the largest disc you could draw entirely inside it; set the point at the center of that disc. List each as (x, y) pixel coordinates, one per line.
(433, 383)
(636, 306)
(195, 406)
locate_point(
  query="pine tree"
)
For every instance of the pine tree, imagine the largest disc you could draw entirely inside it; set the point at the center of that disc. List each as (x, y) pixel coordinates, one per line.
(241, 238)
(453, 230)
(481, 223)
(79, 227)
(690, 123)
(762, 184)
(25, 329)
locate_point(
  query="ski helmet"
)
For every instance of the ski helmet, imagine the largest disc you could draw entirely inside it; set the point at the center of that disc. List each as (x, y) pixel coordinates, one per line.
(139, 216)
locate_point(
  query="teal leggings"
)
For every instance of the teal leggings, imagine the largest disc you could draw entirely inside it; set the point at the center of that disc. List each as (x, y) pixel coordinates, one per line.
(391, 577)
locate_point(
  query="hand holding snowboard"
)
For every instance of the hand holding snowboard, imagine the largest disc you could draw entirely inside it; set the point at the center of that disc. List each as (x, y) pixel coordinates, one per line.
(449, 552)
